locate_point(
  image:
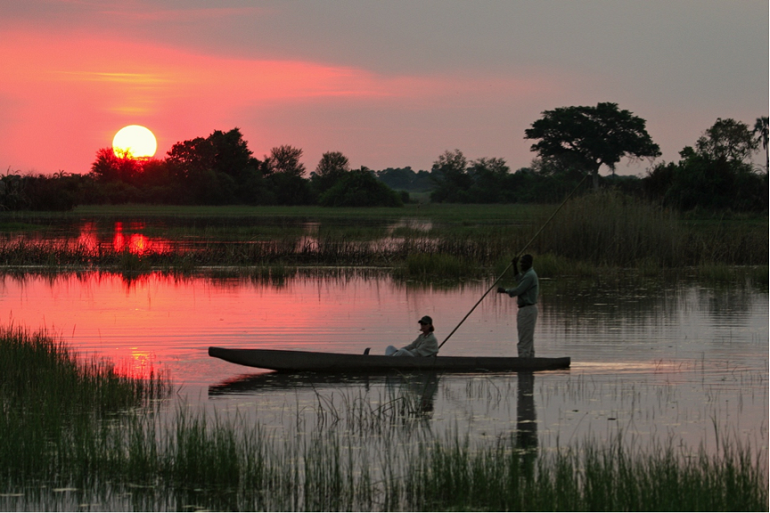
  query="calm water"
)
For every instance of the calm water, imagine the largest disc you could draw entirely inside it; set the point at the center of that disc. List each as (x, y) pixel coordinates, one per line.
(665, 363)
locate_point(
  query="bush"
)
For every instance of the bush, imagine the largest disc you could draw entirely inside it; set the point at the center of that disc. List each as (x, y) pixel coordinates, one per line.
(360, 188)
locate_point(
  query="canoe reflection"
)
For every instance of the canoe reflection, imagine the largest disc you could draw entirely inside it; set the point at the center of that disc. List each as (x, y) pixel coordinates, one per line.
(256, 383)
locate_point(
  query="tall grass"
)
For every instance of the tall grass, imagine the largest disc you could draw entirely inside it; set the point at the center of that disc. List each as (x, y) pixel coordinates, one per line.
(40, 368)
(612, 229)
(55, 408)
(229, 464)
(430, 265)
(91, 442)
(604, 229)
(608, 228)
(585, 477)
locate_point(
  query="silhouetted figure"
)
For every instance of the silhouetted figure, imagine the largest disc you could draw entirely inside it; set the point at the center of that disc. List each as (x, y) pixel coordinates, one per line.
(526, 292)
(424, 345)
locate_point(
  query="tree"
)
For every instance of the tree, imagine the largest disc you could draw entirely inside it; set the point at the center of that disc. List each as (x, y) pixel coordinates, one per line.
(330, 169)
(397, 178)
(284, 174)
(217, 169)
(729, 140)
(221, 152)
(491, 181)
(108, 167)
(284, 159)
(360, 188)
(450, 173)
(715, 175)
(760, 132)
(589, 137)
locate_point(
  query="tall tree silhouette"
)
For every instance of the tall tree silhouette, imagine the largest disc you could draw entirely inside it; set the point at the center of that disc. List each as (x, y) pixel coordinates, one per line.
(284, 159)
(727, 139)
(590, 137)
(330, 169)
(108, 167)
(760, 132)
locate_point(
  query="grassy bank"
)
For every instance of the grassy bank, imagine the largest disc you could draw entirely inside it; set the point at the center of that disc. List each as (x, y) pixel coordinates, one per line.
(598, 231)
(56, 407)
(96, 441)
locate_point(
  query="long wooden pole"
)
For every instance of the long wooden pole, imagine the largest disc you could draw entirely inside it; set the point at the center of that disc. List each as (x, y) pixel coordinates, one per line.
(522, 250)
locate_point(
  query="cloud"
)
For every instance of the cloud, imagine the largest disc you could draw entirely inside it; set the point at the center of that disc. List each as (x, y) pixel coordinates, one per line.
(93, 85)
(391, 83)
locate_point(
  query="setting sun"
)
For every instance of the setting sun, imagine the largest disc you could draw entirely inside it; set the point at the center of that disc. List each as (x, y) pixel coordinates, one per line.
(134, 141)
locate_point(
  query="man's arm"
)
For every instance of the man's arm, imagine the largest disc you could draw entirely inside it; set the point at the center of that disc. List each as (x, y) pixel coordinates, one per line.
(515, 262)
(527, 282)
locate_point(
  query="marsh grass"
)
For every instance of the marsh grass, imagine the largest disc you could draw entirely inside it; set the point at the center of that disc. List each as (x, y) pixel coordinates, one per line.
(79, 432)
(611, 229)
(720, 273)
(607, 228)
(585, 477)
(602, 230)
(40, 368)
(428, 265)
(55, 408)
(231, 464)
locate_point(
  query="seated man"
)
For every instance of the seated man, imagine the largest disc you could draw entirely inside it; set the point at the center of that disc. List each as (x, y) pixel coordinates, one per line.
(424, 345)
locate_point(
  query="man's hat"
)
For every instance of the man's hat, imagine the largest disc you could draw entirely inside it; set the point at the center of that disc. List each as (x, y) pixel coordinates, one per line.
(426, 320)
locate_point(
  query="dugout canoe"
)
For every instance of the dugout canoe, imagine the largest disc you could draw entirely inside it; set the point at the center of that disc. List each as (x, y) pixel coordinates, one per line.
(310, 361)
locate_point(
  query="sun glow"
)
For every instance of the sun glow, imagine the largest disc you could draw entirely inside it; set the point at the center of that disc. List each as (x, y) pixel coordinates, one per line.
(134, 141)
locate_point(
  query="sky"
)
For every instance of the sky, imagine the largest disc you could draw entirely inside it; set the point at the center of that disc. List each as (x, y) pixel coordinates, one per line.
(388, 84)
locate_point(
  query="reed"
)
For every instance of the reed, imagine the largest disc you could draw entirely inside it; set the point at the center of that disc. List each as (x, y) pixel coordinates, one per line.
(431, 265)
(608, 228)
(56, 408)
(40, 368)
(605, 230)
(584, 477)
(230, 463)
(611, 229)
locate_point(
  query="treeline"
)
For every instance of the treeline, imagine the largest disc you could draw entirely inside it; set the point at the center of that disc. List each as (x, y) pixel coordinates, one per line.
(572, 143)
(716, 174)
(216, 170)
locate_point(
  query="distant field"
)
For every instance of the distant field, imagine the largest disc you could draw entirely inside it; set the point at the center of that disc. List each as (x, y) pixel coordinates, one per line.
(450, 213)
(604, 230)
(494, 214)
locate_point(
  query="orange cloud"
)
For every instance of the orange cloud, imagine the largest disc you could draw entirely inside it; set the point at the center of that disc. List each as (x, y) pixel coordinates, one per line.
(75, 91)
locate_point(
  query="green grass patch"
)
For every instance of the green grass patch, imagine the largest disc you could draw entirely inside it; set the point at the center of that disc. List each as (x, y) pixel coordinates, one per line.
(36, 368)
(605, 230)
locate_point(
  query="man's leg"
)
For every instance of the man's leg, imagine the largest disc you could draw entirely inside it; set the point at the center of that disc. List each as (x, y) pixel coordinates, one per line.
(525, 323)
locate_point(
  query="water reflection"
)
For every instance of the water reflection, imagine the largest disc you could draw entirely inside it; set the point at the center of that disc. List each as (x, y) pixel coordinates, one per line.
(666, 364)
(301, 237)
(271, 381)
(418, 389)
(526, 416)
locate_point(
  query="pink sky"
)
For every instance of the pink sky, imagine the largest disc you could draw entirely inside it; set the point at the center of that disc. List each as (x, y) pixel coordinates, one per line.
(387, 84)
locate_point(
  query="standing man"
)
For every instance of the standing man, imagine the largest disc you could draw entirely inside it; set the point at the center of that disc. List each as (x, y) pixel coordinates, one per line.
(526, 297)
